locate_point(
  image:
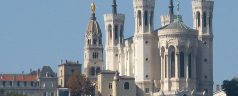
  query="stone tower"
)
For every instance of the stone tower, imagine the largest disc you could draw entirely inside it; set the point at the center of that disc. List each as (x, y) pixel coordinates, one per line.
(145, 44)
(202, 21)
(93, 47)
(114, 26)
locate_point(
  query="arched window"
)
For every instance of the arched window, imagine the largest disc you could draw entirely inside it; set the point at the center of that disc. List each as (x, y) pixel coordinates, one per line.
(198, 19)
(121, 33)
(146, 18)
(116, 32)
(204, 19)
(126, 85)
(172, 64)
(139, 17)
(110, 31)
(98, 70)
(181, 55)
(92, 71)
(172, 61)
(190, 65)
(151, 18)
(88, 41)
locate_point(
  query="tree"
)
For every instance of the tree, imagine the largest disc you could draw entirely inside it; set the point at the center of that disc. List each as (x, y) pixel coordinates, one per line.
(230, 87)
(79, 85)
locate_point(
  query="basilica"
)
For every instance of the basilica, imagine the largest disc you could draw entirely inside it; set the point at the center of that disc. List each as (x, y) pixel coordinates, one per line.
(173, 60)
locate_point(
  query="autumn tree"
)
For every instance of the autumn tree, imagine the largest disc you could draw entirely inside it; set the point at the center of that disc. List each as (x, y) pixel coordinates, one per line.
(80, 85)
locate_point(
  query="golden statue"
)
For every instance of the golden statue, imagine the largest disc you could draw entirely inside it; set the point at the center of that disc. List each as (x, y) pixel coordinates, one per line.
(93, 7)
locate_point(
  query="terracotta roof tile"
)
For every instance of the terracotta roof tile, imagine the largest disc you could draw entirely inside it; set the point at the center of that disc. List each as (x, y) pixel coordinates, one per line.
(6, 77)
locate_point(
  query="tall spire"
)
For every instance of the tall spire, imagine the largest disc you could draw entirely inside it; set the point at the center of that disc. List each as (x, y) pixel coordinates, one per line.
(114, 7)
(171, 7)
(93, 9)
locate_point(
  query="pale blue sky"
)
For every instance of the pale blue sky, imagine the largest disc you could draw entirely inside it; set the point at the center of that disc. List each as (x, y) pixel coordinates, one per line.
(34, 33)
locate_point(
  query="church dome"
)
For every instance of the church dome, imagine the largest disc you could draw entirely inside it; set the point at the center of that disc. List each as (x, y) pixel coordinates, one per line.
(93, 28)
(176, 27)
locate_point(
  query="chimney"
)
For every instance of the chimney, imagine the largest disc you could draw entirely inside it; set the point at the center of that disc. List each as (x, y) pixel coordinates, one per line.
(77, 62)
(66, 61)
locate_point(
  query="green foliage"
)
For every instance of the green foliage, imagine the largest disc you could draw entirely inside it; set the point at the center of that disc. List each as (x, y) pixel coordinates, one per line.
(230, 87)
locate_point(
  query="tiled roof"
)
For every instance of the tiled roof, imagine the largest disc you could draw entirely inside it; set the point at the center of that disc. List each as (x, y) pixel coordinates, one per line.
(18, 77)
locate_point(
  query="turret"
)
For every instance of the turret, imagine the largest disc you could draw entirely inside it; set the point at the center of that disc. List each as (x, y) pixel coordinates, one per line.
(144, 16)
(114, 28)
(202, 21)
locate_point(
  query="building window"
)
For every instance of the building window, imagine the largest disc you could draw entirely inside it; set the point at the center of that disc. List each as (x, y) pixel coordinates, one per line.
(205, 60)
(147, 90)
(94, 41)
(98, 70)
(121, 33)
(139, 17)
(4, 83)
(151, 18)
(72, 71)
(32, 83)
(25, 83)
(18, 83)
(210, 20)
(88, 41)
(110, 31)
(146, 42)
(11, 83)
(126, 85)
(165, 69)
(52, 93)
(181, 64)
(146, 18)
(198, 19)
(45, 94)
(204, 19)
(172, 60)
(116, 32)
(92, 70)
(110, 86)
(146, 59)
(190, 65)
(146, 76)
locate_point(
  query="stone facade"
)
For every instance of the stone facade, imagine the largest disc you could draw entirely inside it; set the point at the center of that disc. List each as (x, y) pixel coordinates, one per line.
(172, 60)
(66, 70)
(111, 84)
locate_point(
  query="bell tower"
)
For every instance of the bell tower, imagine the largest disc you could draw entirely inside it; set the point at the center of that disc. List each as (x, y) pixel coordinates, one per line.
(93, 47)
(145, 44)
(114, 28)
(202, 21)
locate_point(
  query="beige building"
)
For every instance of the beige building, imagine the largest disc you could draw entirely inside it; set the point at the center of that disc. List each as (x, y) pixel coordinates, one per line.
(111, 84)
(66, 70)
